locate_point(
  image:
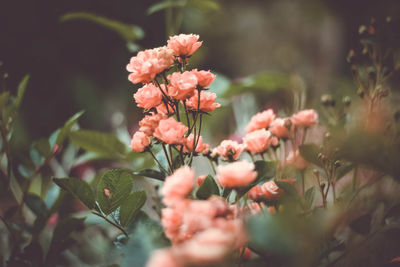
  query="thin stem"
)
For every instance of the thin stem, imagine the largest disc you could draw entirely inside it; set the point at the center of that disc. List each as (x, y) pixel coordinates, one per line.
(303, 186)
(187, 114)
(198, 135)
(262, 156)
(304, 135)
(166, 156)
(159, 164)
(170, 156)
(212, 166)
(177, 111)
(112, 223)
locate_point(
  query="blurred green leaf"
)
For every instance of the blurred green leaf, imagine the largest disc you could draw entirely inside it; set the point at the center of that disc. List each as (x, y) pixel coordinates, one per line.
(309, 196)
(4, 98)
(158, 175)
(343, 170)
(62, 133)
(128, 32)
(165, 4)
(21, 90)
(310, 153)
(104, 144)
(43, 147)
(289, 189)
(36, 204)
(204, 5)
(208, 187)
(79, 189)
(265, 81)
(131, 207)
(117, 184)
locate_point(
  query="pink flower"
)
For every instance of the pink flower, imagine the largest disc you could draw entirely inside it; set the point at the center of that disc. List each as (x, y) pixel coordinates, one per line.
(171, 220)
(147, 64)
(255, 193)
(205, 78)
(170, 131)
(230, 150)
(200, 179)
(149, 96)
(209, 246)
(207, 101)
(150, 122)
(139, 141)
(182, 85)
(306, 118)
(184, 44)
(261, 120)
(279, 128)
(237, 174)
(295, 159)
(271, 191)
(163, 258)
(200, 147)
(178, 185)
(162, 108)
(259, 140)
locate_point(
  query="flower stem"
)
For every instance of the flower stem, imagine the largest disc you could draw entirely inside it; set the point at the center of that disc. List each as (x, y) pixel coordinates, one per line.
(159, 164)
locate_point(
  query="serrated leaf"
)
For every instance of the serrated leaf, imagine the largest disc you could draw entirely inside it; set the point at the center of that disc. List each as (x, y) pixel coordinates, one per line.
(310, 153)
(131, 207)
(63, 132)
(36, 204)
(208, 187)
(79, 189)
(309, 196)
(21, 90)
(104, 144)
(113, 189)
(128, 32)
(158, 175)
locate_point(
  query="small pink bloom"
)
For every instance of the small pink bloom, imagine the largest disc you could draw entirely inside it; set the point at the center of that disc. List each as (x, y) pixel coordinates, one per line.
(178, 185)
(207, 101)
(230, 150)
(255, 193)
(295, 159)
(237, 174)
(53, 220)
(205, 78)
(162, 109)
(247, 254)
(395, 260)
(182, 85)
(200, 179)
(261, 120)
(150, 122)
(200, 147)
(170, 131)
(259, 140)
(171, 220)
(147, 64)
(279, 128)
(271, 191)
(149, 96)
(139, 141)
(163, 258)
(305, 118)
(184, 44)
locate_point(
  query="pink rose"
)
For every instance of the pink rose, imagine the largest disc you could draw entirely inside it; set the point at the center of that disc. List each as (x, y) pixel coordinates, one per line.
(306, 118)
(150, 122)
(259, 140)
(162, 108)
(178, 185)
(149, 96)
(163, 258)
(295, 159)
(182, 85)
(271, 191)
(261, 120)
(184, 44)
(200, 147)
(139, 141)
(237, 174)
(207, 101)
(279, 128)
(147, 64)
(255, 193)
(170, 131)
(230, 150)
(171, 220)
(200, 180)
(205, 78)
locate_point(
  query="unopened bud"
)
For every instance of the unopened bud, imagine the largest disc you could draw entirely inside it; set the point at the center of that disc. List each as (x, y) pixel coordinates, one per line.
(346, 101)
(337, 164)
(327, 100)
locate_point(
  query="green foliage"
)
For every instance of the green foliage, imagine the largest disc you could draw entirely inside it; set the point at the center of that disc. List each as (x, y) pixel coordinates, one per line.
(36, 204)
(59, 135)
(131, 207)
(158, 175)
(21, 90)
(208, 188)
(79, 189)
(310, 153)
(203, 5)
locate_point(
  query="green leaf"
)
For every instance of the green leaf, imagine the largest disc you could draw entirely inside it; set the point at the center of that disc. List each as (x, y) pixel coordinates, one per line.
(310, 153)
(208, 187)
(309, 196)
(204, 5)
(43, 147)
(128, 32)
(343, 170)
(158, 175)
(36, 204)
(361, 225)
(66, 129)
(4, 99)
(131, 207)
(79, 189)
(118, 183)
(104, 144)
(21, 90)
(289, 189)
(165, 4)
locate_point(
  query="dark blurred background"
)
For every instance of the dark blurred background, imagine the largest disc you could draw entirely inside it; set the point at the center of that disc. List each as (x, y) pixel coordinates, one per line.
(78, 65)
